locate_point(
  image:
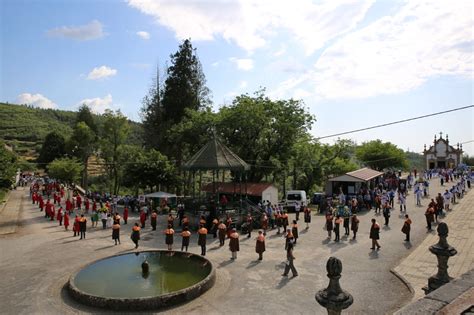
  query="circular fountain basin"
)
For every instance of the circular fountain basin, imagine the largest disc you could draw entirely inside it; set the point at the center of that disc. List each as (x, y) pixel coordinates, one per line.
(118, 283)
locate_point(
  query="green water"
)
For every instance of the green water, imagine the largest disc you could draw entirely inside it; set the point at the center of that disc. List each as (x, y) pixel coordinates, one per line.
(121, 276)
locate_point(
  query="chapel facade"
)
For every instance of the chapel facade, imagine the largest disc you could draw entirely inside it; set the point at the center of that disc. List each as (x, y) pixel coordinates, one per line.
(441, 154)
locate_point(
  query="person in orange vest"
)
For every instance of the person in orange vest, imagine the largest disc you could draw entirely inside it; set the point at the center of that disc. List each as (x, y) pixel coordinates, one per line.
(337, 224)
(142, 218)
(60, 216)
(171, 220)
(284, 222)
(202, 239)
(406, 228)
(135, 234)
(117, 218)
(228, 224)
(66, 220)
(202, 221)
(185, 222)
(279, 221)
(222, 231)
(329, 225)
(125, 215)
(288, 238)
(83, 226)
(354, 225)
(169, 232)
(307, 216)
(75, 227)
(116, 232)
(264, 223)
(260, 245)
(215, 224)
(153, 219)
(186, 235)
(294, 231)
(234, 243)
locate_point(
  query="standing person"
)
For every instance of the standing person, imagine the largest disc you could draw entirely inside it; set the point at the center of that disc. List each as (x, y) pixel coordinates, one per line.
(406, 228)
(447, 199)
(249, 225)
(86, 204)
(75, 227)
(135, 234)
(222, 232)
(78, 201)
(429, 214)
(185, 222)
(109, 220)
(294, 231)
(403, 201)
(169, 232)
(116, 233)
(307, 216)
(83, 226)
(375, 234)
(297, 211)
(279, 221)
(264, 223)
(94, 218)
(215, 224)
(347, 216)
(438, 206)
(288, 238)
(329, 225)
(125, 215)
(354, 225)
(185, 234)
(142, 218)
(386, 213)
(289, 262)
(66, 220)
(284, 220)
(260, 245)
(337, 224)
(153, 219)
(202, 239)
(47, 211)
(103, 218)
(171, 220)
(60, 216)
(52, 213)
(234, 243)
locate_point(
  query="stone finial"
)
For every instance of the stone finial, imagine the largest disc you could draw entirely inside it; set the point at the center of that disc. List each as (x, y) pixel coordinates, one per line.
(443, 251)
(425, 146)
(333, 298)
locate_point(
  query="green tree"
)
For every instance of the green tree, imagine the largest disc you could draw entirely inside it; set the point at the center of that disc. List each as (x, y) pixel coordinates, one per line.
(468, 160)
(82, 144)
(8, 166)
(115, 130)
(65, 169)
(152, 116)
(84, 114)
(54, 146)
(263, 132)
(381, 155)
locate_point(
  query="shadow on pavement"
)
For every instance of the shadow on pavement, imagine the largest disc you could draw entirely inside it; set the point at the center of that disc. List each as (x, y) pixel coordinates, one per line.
(253, 264)
(105, 247)
(226, 262)
(374, 254)
(407, 245)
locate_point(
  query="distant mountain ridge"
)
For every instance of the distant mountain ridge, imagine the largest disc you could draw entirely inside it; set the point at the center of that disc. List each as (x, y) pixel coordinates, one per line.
(24, 127)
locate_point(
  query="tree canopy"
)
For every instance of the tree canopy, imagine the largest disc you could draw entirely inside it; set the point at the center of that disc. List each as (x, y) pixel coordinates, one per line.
(8, 166)
(65, 169)
(54, 146)
(381, 155)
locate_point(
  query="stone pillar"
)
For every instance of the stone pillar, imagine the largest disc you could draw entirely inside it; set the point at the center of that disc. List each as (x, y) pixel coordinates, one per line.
(333, 298)
(443, 251)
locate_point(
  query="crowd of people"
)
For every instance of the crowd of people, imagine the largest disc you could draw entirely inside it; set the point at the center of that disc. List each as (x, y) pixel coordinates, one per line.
(50, 197)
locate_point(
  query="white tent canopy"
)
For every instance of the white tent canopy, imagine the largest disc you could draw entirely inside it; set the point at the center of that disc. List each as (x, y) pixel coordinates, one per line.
(160, 194)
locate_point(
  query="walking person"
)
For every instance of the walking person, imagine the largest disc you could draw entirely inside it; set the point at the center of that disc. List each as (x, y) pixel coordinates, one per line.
(429, 214)
(354, 225)
(406, 228)
(289, 262)
(403, 201)
(169, 232)
(66, 221)
(307, 216)
(125, 215)
(375, 234)
(116, 233)
(294, 231)
(260, 245)
(284, 221)
(347, 217)
(288, 238)
(185, 234)
(337, 224)
(329, 224)
(249, 225)
(386, 213)
(103, 218)
(83, 226)
(234, 246)
(75, 227)
(297, 211)
(279, 221)
(142, 218)
(60, 216)
(214, 228)
(202, 239)
(153, 219)
(135, 234)
(222, 232)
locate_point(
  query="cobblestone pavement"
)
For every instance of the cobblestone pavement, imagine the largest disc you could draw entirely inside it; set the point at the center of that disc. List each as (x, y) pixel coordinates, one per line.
(421, 263)
(38, 259)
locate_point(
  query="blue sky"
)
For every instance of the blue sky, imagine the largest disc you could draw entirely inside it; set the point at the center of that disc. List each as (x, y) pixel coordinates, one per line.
(353, 63)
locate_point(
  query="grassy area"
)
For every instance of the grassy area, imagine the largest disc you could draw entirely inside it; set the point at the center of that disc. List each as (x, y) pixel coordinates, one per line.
(3, 195)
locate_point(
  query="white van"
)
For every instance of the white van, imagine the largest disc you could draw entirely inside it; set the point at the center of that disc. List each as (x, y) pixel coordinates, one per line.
(294, 197)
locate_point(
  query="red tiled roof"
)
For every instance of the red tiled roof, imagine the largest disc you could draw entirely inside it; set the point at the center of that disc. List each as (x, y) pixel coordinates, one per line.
(365, 174)
(253, 189)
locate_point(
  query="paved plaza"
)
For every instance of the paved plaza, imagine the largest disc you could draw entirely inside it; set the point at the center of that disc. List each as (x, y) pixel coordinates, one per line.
(39, 257)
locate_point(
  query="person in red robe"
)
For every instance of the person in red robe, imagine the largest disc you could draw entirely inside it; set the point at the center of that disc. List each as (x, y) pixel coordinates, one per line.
(62, 192)
(47, 212)
(94, 206)
(78, 202)
(54, 197)
(87, 204)
(41, 202)
(52, 213)
(59, 217)
(68, 206)
(142, 218)
(66, 221)
(75, 227)
(34, 197)
(125, 215)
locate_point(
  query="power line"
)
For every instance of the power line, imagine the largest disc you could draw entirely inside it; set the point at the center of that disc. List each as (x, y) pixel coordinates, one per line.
(395, 122)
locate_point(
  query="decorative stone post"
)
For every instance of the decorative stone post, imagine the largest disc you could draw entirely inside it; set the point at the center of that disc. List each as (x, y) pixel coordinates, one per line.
(443, 251)
(333, 298)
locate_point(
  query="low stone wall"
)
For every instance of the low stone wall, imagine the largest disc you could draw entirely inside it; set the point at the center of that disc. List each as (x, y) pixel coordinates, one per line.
(444, 297)
(146, 303)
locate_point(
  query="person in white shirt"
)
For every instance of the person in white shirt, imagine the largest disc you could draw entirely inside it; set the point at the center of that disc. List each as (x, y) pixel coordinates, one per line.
(447, 199)
(403, 203)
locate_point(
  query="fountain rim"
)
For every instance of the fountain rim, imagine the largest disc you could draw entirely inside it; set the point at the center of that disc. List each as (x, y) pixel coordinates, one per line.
(146, 302)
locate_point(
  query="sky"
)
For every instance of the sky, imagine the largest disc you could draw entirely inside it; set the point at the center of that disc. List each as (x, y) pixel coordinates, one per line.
(354, 63)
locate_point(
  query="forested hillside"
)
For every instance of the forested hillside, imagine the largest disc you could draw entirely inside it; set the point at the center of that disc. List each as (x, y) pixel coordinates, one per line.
(24, 127)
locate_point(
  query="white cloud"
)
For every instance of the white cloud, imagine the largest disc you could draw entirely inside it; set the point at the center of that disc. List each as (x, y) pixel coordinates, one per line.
(250, 23)
(394, 54)
(143, 35)
(244, 64)
(101, 72)
(243, 85)
(90, 31)
(97, 105)
(36, 100)
(215, 64)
